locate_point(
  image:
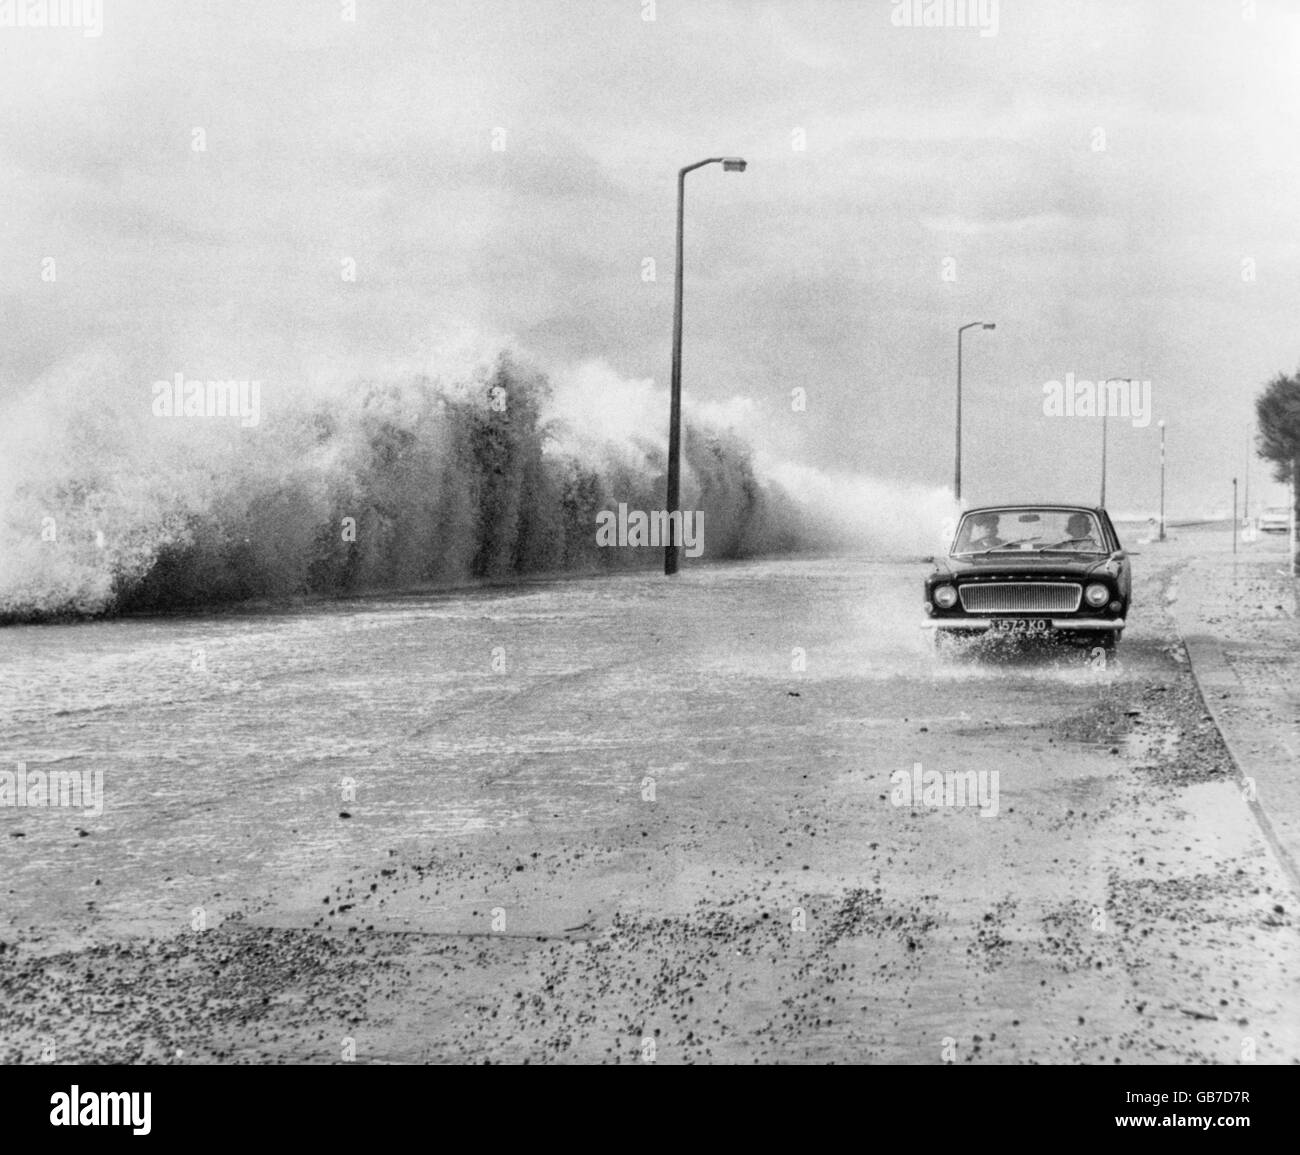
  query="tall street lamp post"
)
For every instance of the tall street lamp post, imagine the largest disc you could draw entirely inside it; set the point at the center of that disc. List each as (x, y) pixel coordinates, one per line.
(956, 483)
(673, 546)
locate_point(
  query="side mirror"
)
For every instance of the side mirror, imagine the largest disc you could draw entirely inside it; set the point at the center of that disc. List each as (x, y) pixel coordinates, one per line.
(1118, 555)
(928, 559)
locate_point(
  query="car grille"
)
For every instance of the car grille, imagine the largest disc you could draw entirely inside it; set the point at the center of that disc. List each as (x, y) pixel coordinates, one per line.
(1020, 597)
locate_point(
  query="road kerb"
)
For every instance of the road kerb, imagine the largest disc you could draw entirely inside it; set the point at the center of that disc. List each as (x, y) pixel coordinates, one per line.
(1213, 675)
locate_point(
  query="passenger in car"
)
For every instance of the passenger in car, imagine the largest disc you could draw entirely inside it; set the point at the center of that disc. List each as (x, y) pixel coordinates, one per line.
(984, 532)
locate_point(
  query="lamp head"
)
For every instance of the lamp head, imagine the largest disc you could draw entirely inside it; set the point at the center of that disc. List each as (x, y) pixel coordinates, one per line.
(990, 325)
(732, 164)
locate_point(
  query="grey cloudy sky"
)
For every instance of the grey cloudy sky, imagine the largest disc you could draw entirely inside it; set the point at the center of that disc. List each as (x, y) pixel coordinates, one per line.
(1097, 174)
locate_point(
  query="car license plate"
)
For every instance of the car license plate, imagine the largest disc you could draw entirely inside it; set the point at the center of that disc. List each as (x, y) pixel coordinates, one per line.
(1021, 625)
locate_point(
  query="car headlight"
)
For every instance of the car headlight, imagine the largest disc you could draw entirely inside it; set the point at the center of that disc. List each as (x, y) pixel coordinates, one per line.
(945, 597)
(1096, 595)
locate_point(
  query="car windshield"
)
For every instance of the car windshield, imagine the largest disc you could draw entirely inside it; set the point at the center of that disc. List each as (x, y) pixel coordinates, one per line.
(1029, 530)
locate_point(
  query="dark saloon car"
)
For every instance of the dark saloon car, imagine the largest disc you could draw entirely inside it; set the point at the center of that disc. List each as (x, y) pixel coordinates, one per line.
(1054, 571)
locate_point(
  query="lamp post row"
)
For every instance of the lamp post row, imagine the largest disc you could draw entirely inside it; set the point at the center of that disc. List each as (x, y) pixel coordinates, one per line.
(672, 547)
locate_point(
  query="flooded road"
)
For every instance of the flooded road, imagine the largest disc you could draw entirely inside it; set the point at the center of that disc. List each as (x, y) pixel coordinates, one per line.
(591, 819)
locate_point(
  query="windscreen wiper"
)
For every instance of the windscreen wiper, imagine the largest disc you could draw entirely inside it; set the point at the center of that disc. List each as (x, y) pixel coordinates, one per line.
(1067, 541)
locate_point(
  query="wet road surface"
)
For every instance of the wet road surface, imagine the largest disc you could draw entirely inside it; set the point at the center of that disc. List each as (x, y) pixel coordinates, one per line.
(630, 819)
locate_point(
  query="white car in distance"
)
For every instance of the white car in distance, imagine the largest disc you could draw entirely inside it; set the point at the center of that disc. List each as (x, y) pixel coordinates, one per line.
(1275, 519)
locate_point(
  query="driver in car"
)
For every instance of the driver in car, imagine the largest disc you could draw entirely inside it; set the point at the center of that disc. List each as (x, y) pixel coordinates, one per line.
(1080, 532)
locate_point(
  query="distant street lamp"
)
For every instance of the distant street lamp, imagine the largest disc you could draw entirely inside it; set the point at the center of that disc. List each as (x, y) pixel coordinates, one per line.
(1103, 458)
(1234, 515)
(1245, 497)
(956, 484)
(1162, 480)
(1104, 398)
(673, 546)
(1295, 480)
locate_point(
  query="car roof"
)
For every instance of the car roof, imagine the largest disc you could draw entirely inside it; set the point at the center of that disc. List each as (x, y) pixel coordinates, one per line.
(1035, 505)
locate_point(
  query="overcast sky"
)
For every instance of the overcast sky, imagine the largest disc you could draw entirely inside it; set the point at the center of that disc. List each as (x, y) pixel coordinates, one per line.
(1099, 177)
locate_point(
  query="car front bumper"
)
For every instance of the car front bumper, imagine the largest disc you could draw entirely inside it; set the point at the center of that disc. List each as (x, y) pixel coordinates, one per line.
(979, 625)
